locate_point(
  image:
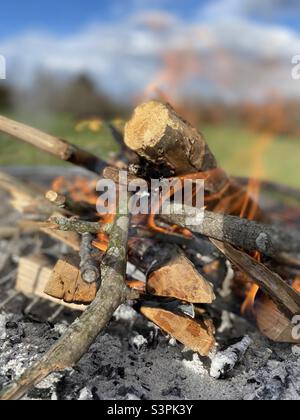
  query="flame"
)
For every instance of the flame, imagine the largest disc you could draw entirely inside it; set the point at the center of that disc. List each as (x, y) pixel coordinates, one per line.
(296, 284)
(253, 192)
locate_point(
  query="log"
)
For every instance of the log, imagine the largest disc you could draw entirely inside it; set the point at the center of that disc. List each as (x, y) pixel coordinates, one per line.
(66, 283)
(159, 135)
(34, 273)
(272, 322)
(284, 296)
(178, 278)
(52, 145)
(173, 147)
(242, 233)
(76, 341)
(197, 335)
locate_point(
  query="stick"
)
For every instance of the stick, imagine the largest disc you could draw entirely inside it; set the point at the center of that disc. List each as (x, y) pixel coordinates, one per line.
(242, 233)
(272, 284)
(76, 225)
(225, 361)
(52, 145)
(83, 332)
(90, 272)
(66, 203)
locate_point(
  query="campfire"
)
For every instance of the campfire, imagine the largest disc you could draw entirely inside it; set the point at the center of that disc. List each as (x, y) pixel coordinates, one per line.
(181, 265)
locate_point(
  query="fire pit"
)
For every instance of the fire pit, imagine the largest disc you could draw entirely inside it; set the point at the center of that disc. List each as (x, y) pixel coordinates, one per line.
(225, 288)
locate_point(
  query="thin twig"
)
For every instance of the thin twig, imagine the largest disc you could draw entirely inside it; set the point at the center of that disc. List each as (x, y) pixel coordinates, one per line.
(76, 225)
(74, 208)
(89, 266)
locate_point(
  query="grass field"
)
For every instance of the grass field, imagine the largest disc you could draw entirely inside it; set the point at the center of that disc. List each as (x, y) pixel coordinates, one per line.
(239, 151)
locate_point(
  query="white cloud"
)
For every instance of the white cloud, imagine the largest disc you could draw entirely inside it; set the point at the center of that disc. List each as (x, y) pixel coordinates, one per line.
(267, 9)
(235, 57)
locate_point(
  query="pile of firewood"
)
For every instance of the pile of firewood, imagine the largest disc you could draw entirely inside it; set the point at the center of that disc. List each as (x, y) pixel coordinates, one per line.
(176, 296)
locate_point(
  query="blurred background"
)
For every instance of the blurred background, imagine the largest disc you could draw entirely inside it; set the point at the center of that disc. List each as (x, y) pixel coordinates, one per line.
(225, 65)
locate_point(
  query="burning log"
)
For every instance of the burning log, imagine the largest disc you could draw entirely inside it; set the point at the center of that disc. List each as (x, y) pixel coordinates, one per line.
(271, 321)
(52, 145)
(178, 278)
(225, 361)
(272, 284)
(172, 147)
(83, 332)
(196, 335)
(160, 136)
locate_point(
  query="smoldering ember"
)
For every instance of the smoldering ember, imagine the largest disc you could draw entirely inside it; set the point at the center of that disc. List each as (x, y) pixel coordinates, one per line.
(120, 306)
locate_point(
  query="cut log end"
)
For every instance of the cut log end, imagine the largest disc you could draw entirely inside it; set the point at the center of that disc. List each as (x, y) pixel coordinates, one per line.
(161, 136)
(180, 279)
(196, 335)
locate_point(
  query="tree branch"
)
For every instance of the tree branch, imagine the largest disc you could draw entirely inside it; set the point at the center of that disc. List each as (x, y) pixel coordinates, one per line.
(52, 145)
(242, 233)
(83, 332)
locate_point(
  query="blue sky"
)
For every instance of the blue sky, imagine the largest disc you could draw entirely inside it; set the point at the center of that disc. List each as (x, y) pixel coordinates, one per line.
(122, 44)
(68, 16)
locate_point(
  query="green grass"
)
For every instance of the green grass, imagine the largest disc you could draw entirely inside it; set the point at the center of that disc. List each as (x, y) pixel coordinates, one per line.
(240, 152)
(233, 147)
(14, 152)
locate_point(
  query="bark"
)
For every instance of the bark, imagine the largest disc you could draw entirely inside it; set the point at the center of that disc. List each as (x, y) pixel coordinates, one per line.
(271, 284)
(52, 145)
(83, 332)
(242, 233)
(89, 266)
(175, 148)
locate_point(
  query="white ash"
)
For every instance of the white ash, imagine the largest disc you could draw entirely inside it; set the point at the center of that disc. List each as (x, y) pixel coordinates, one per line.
(226, 323)
(134, 272)
(125, 313)
(172, 342)
(227, 284)
(3, 321)
(61, 328)
(139, 342)
(113, 370)
(224, 361)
